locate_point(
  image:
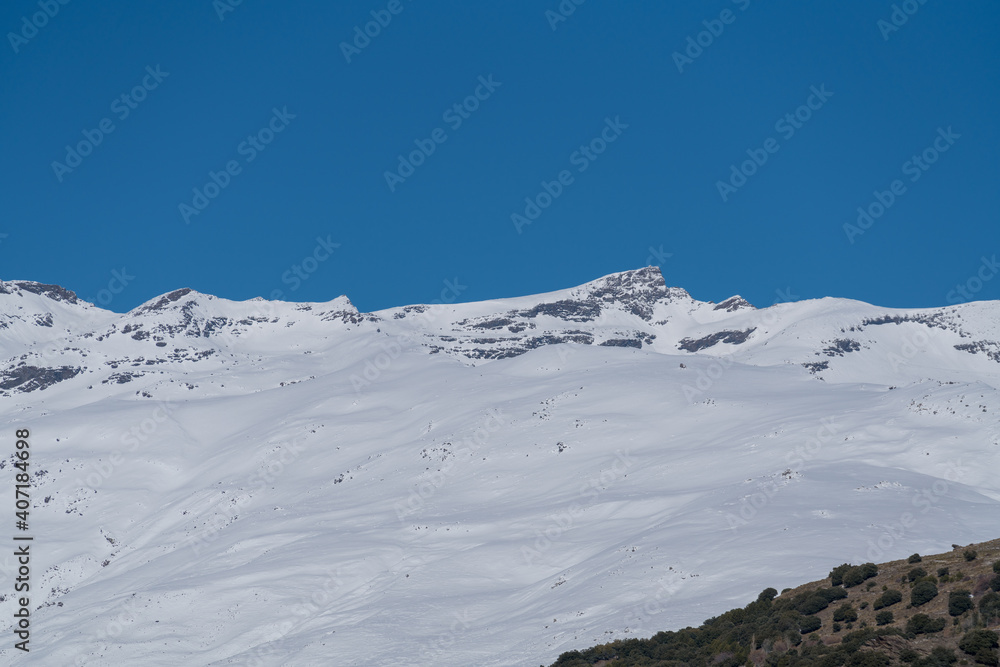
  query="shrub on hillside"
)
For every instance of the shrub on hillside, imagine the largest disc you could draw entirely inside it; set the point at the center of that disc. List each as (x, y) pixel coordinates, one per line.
(869, 659)
(923, 593)
(832, 593)
(915, 558)
(845, 613)
(810, 624)
(995, 583)
(981, 645)
(970, 554)
(996, 567)
(767, 594)
(989, 606)
(812, 605)
(859, 574)
(959, 602)
(837, 574)
(916, 573)
(939, 657)
(884, 617)
(943, 571)
(922, 624)
(887, 599)
(812, 602)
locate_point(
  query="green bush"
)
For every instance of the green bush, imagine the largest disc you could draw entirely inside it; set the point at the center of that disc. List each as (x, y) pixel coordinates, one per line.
(981, 645)
(812, 605)
(970, 554)
(915, 558)
(846, 613)
(995, 583)
(869, 659)
(989, 606)
(922, 624)
(943, 571)
(859, 574)
(939, 657)
(977, 640)
(837, 574)
(916, 573)
(959, 602)
(810, 624)
(831, 594)
(923, 593)
(887, 599)
(883, 617)
(767, 594)
(996, 567)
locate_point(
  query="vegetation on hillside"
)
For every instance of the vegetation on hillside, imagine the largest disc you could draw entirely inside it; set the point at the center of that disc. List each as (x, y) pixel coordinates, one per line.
(951, 619)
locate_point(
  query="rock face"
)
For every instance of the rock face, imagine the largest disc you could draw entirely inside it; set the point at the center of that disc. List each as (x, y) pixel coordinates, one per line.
(25, 378)
(54, 292)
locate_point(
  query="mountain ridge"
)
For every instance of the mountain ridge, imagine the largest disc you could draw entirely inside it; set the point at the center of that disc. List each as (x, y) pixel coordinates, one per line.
(448, 486)
(632, 309)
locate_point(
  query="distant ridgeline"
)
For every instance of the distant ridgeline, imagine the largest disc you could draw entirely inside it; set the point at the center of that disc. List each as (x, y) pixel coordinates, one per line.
(929, 611)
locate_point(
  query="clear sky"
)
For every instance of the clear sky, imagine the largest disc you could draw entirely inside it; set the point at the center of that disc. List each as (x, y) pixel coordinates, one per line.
(276, 149)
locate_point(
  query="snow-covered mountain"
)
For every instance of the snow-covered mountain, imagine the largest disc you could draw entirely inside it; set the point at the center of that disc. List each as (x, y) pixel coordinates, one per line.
(493, 483)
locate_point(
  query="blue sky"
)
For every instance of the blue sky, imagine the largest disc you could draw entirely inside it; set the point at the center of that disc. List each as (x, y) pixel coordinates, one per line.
(729, 142)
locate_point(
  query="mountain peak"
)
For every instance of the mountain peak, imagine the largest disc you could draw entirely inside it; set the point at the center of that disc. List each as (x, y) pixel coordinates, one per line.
(54, 292)
(645, 280)
(635, 291)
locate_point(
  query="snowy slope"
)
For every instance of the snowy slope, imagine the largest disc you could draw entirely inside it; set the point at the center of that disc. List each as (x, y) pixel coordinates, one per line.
(493, 483)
